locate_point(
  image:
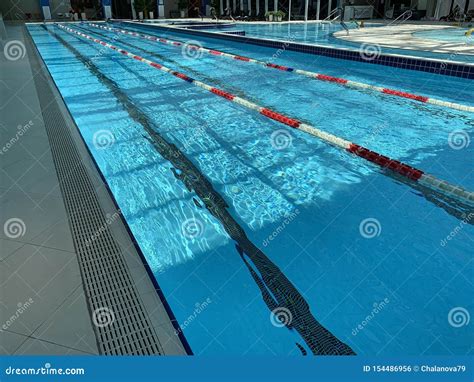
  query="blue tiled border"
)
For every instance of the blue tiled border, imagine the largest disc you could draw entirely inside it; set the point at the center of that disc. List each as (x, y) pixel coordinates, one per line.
(236, 33)
(447, 68)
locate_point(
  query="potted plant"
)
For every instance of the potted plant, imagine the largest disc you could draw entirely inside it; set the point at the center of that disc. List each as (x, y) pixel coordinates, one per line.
(269, 16)
(183, 6)
(142, 7)
(280, 15)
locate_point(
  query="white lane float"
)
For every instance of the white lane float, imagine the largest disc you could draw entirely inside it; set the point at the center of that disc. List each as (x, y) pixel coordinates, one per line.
(314, 75)
(382, 161)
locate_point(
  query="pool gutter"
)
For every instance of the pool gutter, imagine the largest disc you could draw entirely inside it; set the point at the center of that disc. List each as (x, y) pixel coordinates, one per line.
(153, 317)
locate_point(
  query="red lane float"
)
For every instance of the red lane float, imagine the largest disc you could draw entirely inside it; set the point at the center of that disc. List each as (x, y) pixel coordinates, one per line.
(406, 95)
(279, 67)
(382, 161)
(280, 118)
(331, 79)
(313, 75)
(385, 162)
(242, 58)
(223, 94)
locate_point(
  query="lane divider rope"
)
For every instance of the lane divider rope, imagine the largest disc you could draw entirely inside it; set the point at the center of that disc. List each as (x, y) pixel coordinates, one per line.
(314, 75)
(382, 161)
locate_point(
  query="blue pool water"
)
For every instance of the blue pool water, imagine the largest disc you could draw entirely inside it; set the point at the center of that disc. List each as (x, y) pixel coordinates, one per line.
(365, 73)
(322, 34)
(304, 32)
(299, 200)
(448, 34)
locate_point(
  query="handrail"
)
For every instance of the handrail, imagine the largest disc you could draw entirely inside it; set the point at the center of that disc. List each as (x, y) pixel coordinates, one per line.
(343, 24)
(407, 13)
(328, 18)
(229, 10)
(214, 14)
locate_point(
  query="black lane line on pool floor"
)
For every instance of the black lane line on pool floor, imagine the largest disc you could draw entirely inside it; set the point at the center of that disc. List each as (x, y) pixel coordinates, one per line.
(277, 291)
(137, 247)
(198, 74)
(400, 101)
(86, 218)
(447, 199)
(453, 206)
(235, 151)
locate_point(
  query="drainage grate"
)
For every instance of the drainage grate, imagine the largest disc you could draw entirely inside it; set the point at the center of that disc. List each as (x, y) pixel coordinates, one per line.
(108, 286)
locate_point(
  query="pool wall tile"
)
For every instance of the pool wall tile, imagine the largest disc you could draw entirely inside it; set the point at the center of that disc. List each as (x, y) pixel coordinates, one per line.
(447, 68)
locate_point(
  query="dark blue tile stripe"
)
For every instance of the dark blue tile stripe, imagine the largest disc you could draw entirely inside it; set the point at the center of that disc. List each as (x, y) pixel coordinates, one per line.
(237, 33)
(424, 65)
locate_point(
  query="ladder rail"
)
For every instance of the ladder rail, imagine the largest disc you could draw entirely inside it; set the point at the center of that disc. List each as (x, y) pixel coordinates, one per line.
(401, 18)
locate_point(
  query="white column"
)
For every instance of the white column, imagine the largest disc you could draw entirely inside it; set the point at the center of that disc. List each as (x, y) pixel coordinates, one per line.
(161, 9)
(266, 6)
(107, 11)
(241, 5)
(221, 5)
(134, 14)
(438, 6)
(289, 10)
(257, 7)
(329, 7)
(306, 4)
(318, 7)
(275, 5)
(45, 8)
(249, 4)
(46, 12)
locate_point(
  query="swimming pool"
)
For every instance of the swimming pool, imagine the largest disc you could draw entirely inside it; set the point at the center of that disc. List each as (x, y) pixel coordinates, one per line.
(447, 34)
(302, 32)
(318, 33)
(306, 205)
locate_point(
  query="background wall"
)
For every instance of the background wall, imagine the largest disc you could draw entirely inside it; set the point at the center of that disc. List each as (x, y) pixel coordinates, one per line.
(170, 5)
(15, 10)
(59, 6)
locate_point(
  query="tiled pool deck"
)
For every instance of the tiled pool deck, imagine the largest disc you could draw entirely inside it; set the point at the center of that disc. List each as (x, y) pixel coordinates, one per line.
(43, 305)
(402, 37)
